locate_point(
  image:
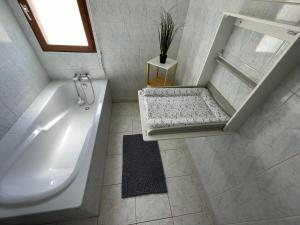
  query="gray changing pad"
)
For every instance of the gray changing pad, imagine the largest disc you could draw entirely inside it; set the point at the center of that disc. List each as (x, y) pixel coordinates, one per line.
(181, 108)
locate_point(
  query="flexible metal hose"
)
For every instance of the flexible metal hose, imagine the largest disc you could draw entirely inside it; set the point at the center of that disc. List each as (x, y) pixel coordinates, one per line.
(93, 101)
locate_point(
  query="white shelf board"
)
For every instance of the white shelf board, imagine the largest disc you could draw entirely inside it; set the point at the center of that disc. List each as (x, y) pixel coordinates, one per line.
(166, 66)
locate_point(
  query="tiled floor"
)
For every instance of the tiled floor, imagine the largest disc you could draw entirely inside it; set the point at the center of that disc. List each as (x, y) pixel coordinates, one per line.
(182, 205)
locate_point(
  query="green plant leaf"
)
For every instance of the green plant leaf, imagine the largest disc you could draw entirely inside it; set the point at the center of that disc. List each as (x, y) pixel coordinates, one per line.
(166, 32)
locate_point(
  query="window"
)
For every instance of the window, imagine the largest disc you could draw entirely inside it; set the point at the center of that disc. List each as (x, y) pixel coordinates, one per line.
(60, 25)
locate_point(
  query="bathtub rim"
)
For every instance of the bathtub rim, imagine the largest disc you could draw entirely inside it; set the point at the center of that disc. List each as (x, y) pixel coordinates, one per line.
(42, 196)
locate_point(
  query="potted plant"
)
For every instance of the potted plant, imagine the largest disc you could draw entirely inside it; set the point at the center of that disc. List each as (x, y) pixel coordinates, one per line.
(166, 33)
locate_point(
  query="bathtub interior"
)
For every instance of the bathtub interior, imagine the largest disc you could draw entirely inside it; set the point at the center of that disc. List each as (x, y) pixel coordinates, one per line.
(37, 166)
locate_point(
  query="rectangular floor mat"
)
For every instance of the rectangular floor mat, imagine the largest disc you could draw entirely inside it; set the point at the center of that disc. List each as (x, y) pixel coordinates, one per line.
(143, 171)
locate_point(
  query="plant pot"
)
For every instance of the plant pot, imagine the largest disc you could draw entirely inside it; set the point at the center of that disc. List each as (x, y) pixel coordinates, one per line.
(163, 58)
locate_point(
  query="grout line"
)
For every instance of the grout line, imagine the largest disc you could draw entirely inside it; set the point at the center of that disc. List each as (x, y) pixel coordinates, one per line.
(112, 156)
(185, 175)
(187, 214)
(188, 175)
(289, 89)
(108, 155)
(124, 101)
(172, 149)
(170, 203)
(120, 132)
(171, 217)
(10, 109)
(264, 220)
(291, 96)
(163, 218)
(108, 185)
(227, 190)
(173, 220)
(276, 165)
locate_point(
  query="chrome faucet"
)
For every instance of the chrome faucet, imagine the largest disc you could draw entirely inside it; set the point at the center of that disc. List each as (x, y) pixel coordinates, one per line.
(80, 101)
(82, 78)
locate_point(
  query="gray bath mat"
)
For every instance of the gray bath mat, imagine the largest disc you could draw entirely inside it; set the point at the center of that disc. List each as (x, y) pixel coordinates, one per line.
(142, 167)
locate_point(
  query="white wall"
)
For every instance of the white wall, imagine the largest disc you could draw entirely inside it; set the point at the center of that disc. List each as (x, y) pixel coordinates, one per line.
(201, 25)
(202, 22)
(241, 50)
(21, 75)
(60, 65)
(127, 37)
(251, 177)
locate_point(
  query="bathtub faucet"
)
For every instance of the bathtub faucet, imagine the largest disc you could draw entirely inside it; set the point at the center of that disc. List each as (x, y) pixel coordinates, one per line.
(82, 78)
(80, 101)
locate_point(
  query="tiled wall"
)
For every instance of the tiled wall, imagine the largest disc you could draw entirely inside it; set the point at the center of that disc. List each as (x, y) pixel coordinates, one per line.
(251, 177)
(201, 25)
(128, 38)
(251, 52)
(126, 34)
(60, 65)
(21, 75)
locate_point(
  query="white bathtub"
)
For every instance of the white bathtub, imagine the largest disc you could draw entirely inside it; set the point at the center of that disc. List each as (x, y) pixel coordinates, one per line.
(45, 157)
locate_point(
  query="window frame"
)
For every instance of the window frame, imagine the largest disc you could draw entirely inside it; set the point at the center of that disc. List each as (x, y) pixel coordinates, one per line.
(63, 48)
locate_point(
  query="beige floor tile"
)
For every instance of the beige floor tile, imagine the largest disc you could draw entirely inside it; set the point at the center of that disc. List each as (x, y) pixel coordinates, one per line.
(113, 169)
(175, 163)
(171, 144)
(191, 219)
(114, 209)
(88, 221)
(168, 221)
(115, 143)
(152, 207)
(184, 195)
(125, 109)
(136, 125)
(121, 124)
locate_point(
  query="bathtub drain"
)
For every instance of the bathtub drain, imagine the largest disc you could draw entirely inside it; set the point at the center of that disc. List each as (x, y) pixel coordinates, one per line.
(87, 108)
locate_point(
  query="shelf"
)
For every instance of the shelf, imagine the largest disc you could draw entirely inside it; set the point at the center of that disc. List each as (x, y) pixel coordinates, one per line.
(159, 82)
(166, 66)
